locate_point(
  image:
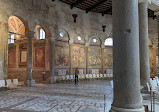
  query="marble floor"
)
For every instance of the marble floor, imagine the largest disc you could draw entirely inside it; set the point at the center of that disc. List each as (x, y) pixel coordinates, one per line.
(87, 96)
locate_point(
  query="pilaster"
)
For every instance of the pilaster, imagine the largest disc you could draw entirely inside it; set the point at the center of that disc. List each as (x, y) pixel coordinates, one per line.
(87, 68)
(70, 54)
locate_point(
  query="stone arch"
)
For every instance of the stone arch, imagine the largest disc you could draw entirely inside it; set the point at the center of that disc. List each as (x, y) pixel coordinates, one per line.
(65, 37)
(108, 43)
(22, 20)
(45, 28)
(49, 27)
(98, 43)
(16, 25)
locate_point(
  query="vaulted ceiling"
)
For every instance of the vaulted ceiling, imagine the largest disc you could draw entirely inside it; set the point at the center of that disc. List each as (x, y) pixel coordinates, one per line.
(98, 6)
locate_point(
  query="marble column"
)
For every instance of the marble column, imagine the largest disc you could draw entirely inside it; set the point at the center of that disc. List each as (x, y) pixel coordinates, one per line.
(3, 50)
(144, 43)
(102, 49)
(52, 73)
(70, 53)
(158, 45)
(87, 68)
(126, 72)
(30, 80)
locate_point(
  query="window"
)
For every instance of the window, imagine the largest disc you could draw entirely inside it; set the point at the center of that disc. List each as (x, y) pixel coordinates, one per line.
(40, 33)
(79, 38)
(11, 39)
(109, 42)
(94, 40)
(61, 34)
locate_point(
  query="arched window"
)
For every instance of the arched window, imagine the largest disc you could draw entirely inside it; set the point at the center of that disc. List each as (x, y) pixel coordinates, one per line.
(94, 40)
(62, 34)
(11, 38)
(109, 42)
(40, 33)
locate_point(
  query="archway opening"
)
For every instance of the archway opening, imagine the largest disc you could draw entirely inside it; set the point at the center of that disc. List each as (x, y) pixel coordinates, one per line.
(17, 49)
(108, 42)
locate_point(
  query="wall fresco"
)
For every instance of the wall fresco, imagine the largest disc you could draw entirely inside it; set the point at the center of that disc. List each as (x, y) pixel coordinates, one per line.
(78, 56)
(94, 56)
(61, 55)
(108, 58)
(39, 57)
(11, 58)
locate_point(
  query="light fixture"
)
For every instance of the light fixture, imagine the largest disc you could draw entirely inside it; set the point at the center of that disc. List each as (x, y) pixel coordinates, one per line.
(61, 34)
(103, 28)
(79, 38)
(74, 16)
(94, 40)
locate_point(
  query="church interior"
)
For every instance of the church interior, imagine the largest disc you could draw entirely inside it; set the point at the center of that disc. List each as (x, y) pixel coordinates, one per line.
(112, 43)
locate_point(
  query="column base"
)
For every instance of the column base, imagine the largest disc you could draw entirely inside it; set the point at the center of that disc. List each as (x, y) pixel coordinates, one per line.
(116, 109)
(53, 80)
(30, 83)
(144, 89)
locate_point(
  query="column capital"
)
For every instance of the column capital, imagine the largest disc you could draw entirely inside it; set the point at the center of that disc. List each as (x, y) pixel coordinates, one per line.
(86, 44)
(145, 1)
(30, 34)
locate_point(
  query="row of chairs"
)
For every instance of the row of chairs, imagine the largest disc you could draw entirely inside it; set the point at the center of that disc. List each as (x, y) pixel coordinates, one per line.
(154, 84)
(83, 77)
(8, 83)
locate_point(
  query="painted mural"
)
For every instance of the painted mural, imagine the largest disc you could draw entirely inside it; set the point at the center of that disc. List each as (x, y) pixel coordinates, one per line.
(94, 56)
(153, 52)
(39, 57)
(78, 56)
(61, 55)
(11, 58)
(16, 25)
(108, 58)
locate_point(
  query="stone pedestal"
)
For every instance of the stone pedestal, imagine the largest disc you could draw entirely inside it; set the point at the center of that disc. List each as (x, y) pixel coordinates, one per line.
(126, 72)
(144, 43)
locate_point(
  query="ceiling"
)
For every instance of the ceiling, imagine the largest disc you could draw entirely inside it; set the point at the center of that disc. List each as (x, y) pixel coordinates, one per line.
(98, 6)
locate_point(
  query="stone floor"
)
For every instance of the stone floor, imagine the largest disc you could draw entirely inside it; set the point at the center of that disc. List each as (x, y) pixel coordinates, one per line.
(66, 97)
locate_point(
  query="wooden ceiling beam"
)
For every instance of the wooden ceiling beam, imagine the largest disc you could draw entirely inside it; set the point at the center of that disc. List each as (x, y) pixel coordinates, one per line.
(95, 6)
(76, 3)
(106, 11)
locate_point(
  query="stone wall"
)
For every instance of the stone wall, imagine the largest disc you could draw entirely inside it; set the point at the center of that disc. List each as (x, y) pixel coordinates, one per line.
(58, 16)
